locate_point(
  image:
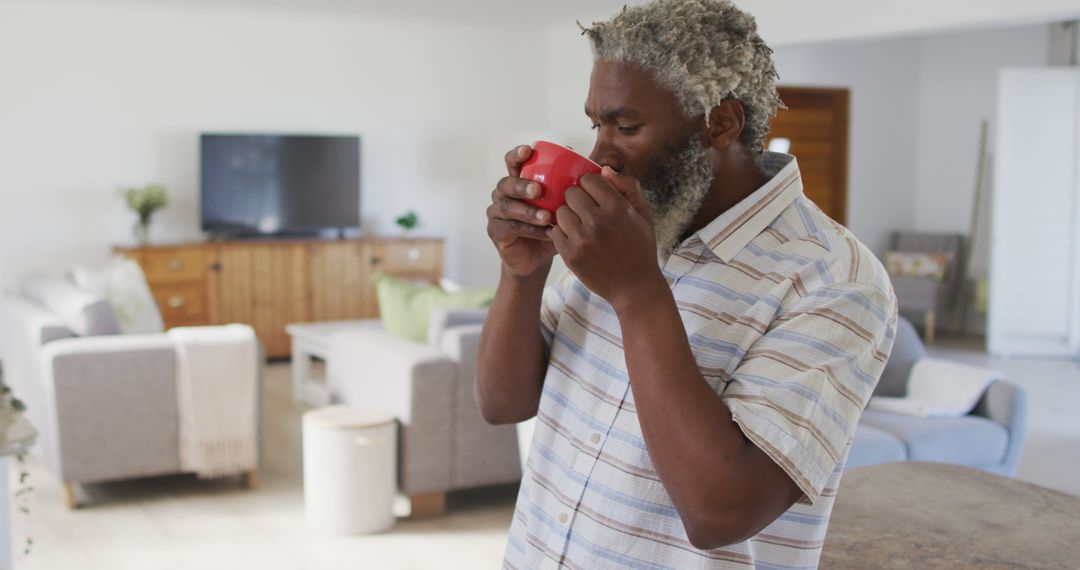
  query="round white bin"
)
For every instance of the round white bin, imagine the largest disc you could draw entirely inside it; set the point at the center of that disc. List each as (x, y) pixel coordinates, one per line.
(350, 470)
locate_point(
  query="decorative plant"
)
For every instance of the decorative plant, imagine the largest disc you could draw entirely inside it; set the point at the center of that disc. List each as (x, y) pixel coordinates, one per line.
(409, 222)
(144, 201)
(10, 410)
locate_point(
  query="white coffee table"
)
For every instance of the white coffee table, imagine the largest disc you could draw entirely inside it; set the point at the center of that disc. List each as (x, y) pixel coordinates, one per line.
(311, 340)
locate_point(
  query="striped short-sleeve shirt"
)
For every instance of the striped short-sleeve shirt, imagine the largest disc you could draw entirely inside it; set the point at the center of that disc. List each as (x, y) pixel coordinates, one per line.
(790, 320)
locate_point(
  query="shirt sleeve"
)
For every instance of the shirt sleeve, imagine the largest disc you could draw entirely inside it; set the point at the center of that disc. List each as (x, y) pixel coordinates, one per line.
(551, 307)
(799, 391)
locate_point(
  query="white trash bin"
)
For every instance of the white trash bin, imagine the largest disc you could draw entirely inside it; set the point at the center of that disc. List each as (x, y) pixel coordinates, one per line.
(350, 470)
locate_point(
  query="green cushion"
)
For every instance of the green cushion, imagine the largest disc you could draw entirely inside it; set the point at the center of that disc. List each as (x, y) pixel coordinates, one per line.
(406, 306)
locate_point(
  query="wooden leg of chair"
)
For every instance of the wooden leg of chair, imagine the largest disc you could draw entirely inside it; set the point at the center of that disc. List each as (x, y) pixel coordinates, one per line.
(931, 322)
(428, 505)
(69, 495)
(251, 479)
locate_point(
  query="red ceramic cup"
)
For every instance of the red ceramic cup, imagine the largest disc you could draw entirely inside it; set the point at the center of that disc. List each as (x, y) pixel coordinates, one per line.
(556, 168)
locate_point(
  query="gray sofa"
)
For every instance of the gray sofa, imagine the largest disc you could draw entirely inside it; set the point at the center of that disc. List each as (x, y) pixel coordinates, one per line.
(445, 444)
(990, 438)
(104, 403)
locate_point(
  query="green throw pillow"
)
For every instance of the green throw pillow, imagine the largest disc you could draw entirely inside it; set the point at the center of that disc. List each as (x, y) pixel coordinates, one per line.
(406, 306)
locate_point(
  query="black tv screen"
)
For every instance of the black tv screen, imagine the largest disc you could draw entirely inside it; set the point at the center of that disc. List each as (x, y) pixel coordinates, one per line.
(255, 184)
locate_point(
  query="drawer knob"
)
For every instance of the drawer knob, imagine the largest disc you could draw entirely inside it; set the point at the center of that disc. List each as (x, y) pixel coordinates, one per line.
(175, 265)
(414, 254)
(176, 301)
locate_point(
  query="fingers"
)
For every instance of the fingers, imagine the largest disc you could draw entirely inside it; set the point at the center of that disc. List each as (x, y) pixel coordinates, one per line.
(558, 236)
(518, 211)
(601, 191)
(630, 188)
(580, 201)
(569, 221)
(519, 188)
(506, 202)
(515, 158)
(503, 231)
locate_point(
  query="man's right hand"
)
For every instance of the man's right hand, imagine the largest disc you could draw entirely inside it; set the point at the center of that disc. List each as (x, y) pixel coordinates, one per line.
(516, 228)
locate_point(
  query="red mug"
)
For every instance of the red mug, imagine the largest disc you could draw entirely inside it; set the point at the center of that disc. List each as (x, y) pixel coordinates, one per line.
(555, 168)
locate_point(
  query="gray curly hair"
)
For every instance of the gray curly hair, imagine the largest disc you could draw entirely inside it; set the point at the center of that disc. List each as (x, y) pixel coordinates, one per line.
(704, 51)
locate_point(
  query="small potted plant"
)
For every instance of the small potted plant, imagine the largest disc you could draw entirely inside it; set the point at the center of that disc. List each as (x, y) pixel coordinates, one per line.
(11, 409)
(408, 222)
(144, 201)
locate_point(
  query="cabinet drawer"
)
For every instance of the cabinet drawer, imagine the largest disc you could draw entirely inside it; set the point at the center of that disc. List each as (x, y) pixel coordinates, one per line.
(412, 258)
(182, 304)
(173, 266)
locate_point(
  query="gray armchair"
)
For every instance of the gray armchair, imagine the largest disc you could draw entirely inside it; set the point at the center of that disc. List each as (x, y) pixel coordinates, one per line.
(445, 444)
(927, 297)
(104, 403)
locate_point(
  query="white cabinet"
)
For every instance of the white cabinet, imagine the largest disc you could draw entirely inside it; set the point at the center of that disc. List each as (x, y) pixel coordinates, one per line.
(1035, 226)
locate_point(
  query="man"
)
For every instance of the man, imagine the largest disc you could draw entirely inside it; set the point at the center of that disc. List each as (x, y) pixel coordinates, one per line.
(698, 373)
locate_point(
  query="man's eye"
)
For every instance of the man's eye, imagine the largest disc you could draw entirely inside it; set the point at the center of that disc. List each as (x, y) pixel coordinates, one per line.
(595, 126)
(629, 130)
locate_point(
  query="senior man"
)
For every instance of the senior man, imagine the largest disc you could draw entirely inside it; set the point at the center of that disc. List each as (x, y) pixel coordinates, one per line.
(699, 371)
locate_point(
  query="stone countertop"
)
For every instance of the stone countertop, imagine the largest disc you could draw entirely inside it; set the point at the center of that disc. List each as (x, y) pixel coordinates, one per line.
(933, 515)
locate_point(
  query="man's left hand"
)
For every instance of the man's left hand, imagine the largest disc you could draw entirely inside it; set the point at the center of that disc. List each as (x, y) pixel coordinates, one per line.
(605, 236)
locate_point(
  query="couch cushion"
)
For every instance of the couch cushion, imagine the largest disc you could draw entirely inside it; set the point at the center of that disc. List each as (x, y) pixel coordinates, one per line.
(907, 349)
(442, 319)
(405, 307)
(84, 313)
(872, 446)
(970, 440)
(123, 284)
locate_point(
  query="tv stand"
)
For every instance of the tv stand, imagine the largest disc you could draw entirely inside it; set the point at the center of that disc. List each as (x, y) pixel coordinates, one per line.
(270, 283)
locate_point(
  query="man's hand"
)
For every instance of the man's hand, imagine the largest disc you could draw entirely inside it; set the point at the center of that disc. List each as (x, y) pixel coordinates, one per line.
(515, 227)
(605, 236)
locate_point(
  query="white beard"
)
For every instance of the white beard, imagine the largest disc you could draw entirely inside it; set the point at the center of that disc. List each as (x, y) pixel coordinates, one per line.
(676, 193)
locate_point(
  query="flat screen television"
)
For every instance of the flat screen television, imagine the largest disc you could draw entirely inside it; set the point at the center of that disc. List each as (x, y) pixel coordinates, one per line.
(261, 184)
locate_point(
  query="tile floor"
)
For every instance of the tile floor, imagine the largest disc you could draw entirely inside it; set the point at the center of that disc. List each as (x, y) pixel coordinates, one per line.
(178, 522)
(181, 523)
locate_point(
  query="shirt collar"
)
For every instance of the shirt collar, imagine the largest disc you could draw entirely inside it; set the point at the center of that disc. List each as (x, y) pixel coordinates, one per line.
(731, 231)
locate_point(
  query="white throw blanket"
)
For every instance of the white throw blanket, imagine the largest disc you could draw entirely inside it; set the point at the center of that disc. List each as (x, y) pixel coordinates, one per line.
(939, 389)
(216, 388)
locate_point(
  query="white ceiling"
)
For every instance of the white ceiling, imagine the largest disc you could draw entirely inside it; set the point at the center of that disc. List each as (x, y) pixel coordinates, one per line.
(781, 21)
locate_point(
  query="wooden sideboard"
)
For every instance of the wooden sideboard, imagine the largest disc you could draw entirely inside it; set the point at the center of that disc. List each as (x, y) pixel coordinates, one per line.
(268, 284)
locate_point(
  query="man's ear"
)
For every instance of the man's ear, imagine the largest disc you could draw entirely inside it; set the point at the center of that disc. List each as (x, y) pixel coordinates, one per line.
(726, 122)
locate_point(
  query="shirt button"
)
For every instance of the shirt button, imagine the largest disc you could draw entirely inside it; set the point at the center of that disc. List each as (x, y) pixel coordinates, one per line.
(595, 438)
(563, 518)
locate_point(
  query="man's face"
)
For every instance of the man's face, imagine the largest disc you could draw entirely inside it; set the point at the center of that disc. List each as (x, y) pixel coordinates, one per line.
(641, 130)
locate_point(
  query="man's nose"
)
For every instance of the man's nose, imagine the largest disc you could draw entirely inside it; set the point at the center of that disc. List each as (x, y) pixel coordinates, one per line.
(604, 154)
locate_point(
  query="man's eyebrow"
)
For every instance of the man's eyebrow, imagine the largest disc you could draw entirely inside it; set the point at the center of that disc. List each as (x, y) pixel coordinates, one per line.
(611, 114)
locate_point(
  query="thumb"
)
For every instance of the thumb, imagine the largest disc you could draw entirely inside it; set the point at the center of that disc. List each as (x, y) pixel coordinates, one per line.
(630, 188)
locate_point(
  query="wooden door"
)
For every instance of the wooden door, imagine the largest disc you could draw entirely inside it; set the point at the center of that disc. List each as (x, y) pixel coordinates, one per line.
(340, 275)
(264, 285)
(816, 123)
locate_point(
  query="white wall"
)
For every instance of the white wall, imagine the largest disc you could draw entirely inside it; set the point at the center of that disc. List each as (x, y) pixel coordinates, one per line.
(882, 77)
(94, 98)
(916, 109)
(784, 22)
(958, 78)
